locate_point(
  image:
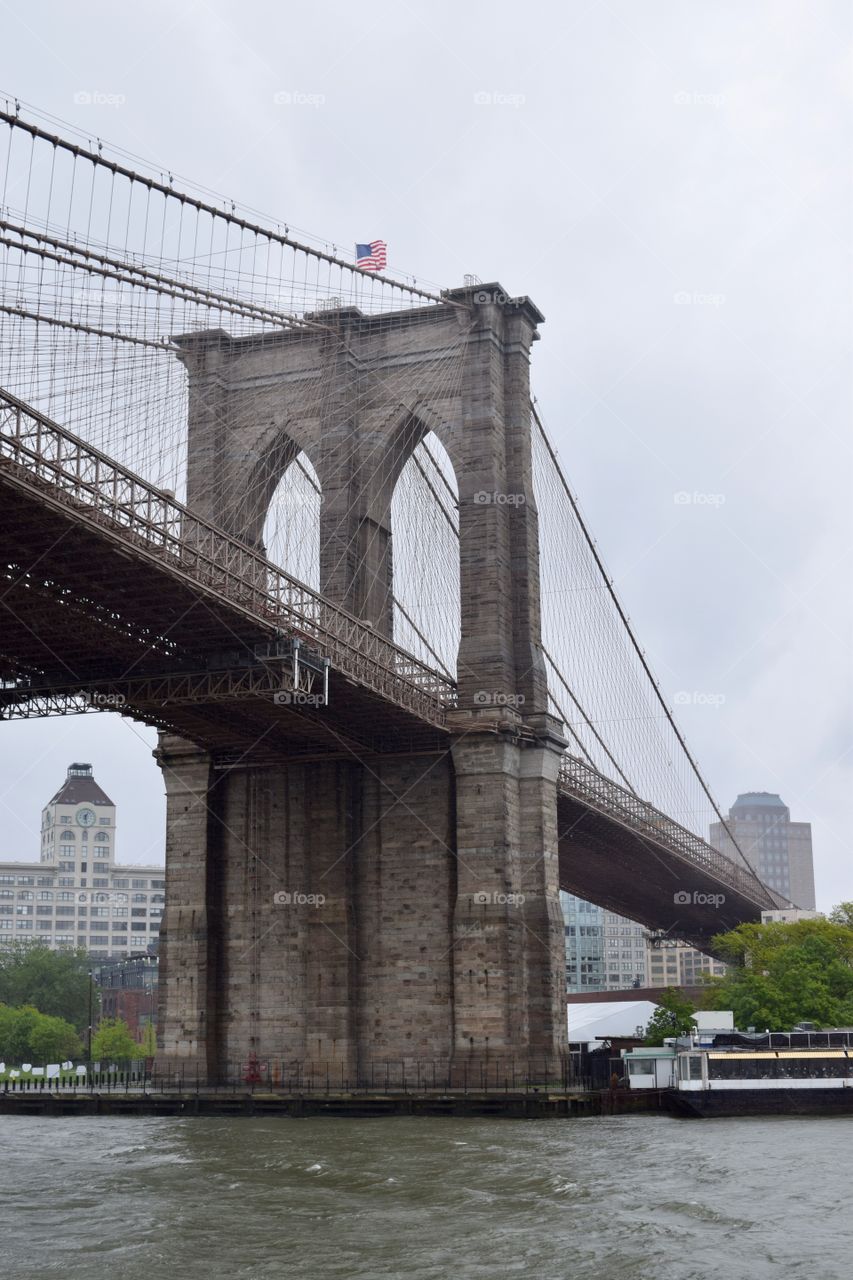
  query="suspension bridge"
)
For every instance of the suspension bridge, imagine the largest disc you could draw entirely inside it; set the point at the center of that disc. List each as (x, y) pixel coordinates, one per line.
(307, 521)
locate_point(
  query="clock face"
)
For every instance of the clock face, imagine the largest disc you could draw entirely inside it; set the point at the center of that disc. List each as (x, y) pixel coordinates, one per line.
(86, 817)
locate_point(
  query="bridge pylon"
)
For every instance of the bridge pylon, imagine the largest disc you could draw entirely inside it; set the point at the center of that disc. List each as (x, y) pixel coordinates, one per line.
(366, 902)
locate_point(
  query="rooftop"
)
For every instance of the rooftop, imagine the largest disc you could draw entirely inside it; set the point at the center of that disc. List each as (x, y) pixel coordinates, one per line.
(759, 800)
(80, 787)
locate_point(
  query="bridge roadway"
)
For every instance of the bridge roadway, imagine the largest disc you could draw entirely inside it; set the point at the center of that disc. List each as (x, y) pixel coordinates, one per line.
(117, 597)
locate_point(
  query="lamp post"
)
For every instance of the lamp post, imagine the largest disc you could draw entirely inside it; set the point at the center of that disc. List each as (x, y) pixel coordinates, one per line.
(89, 1026)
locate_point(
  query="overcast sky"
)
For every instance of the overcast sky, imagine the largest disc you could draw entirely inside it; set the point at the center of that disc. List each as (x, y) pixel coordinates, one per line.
(670, 182)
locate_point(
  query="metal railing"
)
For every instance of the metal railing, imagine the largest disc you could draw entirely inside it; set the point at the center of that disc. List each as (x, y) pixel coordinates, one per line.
(154, 523)
(318, 1078)
(580, 781)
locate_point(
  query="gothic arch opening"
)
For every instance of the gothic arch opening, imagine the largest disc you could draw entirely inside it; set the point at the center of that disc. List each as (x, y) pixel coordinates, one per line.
(425, 540)
(291, 533)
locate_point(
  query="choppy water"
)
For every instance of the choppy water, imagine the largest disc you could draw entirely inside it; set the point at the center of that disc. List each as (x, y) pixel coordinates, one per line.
(431, 1199)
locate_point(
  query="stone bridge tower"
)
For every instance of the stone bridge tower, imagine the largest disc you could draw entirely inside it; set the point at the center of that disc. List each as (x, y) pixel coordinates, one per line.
(440, 936)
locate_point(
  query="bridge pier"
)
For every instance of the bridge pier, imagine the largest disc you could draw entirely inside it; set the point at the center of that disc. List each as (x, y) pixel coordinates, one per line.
(423, 922)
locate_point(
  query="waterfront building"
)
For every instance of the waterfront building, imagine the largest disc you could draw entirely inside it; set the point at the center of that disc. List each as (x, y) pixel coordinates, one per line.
(676, 964)
(129, 990)
(76, 894)
(604, 951)
(777, 849)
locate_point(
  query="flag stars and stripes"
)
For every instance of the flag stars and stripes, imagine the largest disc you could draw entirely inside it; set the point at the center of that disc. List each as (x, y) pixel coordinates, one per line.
(372, 256)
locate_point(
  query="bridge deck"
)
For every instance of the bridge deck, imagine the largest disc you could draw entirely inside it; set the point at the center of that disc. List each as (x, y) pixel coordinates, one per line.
(118, 597)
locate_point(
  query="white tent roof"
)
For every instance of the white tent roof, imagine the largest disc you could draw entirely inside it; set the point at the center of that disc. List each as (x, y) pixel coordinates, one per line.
(607, 1018)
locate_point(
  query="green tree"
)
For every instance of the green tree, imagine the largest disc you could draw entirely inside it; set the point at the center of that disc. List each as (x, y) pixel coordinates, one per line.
(673, 1017)
(842, 914)
(148, 1041)
(15, 1028)
(782, 974)
(54, 1040)
(112, 1042)
(54, 982)
(29, 1036)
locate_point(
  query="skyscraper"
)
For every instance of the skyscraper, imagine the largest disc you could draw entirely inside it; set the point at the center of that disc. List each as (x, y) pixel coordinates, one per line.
(778, 850)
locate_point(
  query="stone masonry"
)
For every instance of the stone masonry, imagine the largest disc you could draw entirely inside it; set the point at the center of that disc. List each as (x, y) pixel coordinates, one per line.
(351, 911)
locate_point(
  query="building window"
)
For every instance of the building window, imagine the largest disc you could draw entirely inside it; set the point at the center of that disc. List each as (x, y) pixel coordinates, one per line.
(45, 896)
(104, 822)
(66, 880)
(139, 897)
(138, 928)
(26, 879)
(98, 940)
(119, 913)
(137, 911)
(66, 866)
(64, 939)
(121, 884)
(24, 924)
(101, 882)
(158, 884)
(65, 911)
(44, 880)
(6, 893)
(100, 868)
(66, 821)
(139, 884)
(44, 911)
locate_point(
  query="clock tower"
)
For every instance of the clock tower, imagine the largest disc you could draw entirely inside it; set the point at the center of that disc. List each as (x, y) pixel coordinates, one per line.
(78, 827)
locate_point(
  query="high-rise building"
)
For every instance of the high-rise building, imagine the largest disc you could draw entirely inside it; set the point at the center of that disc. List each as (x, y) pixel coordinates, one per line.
(777, 849)
(77, 895)
(604, 951)
(676, 964)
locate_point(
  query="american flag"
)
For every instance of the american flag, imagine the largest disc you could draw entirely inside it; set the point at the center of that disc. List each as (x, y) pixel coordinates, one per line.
(373, 256)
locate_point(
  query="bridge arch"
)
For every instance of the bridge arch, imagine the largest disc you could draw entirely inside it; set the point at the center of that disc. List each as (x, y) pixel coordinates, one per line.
(291, 529)
(427, 615)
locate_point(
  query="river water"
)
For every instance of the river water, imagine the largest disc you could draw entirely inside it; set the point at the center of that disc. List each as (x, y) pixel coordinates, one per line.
(425, 1199)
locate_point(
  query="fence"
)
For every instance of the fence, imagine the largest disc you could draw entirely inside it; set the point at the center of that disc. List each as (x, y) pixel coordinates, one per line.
(312, 1078)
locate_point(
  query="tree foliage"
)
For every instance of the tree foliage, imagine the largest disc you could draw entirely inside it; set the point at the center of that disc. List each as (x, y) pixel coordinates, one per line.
(148, 1041)
(672, 1017)
(54, 982)
(842, 914)
(26, 1035)
(112, 1042)
(783, 974)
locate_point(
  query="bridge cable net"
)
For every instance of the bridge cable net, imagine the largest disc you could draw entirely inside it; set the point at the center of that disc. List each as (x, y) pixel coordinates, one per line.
(101, 265)
(600, 683)
(104, 263)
